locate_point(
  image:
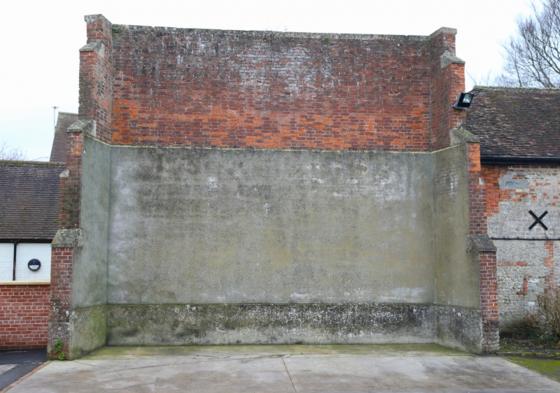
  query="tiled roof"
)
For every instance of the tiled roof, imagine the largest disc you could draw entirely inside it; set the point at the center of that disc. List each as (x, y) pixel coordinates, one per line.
(514, 122)
(60, 141)
(28, 200)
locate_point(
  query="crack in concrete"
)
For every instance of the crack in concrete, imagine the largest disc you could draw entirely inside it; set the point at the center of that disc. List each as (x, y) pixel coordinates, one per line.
(289, 375)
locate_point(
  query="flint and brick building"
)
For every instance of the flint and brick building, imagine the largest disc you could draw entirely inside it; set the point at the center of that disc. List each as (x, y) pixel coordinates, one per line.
(519, 132)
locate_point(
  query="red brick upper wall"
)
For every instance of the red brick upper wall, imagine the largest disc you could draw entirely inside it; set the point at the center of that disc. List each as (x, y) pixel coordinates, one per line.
(217, 88)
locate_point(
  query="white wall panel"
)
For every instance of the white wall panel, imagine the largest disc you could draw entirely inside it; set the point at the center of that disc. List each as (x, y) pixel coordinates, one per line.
(28, 251)
(6, 261)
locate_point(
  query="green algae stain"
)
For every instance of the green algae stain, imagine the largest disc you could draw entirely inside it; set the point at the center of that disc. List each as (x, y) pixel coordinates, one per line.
(547, 367)
(275, 350)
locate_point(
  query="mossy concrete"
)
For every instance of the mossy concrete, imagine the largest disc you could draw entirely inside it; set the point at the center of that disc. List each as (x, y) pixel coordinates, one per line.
(227, 246)
(179, 324)
(128, 352)
(456, 273)
(89, 270)
(88, 330)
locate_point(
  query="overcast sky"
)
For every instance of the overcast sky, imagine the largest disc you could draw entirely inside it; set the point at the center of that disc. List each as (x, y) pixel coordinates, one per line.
(40, 41)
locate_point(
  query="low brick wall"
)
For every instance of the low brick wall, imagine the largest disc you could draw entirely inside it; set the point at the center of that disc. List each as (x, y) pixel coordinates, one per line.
(24, 314)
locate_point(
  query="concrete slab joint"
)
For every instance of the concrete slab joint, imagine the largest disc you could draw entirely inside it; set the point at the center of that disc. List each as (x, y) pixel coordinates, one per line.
(449, 58)
(481, 243)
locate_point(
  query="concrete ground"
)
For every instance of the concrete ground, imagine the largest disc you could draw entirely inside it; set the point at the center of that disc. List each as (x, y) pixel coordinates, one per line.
(15, 364)
(262, 369)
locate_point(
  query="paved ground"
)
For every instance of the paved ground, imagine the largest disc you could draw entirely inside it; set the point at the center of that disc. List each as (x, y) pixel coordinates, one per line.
(15, 364)
(262, 369)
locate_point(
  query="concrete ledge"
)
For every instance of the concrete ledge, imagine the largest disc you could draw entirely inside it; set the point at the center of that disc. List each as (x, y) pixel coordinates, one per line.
(449, 58)
(461, 135)
(180, 324)
(481, 243)
(83, 126)
(89, 325)
(67, 238)
(458, 327)
(444, 30)
(94, 46)
(84, 331)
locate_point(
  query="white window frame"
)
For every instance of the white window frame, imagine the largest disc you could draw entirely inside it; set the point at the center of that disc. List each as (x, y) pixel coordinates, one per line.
(13, 276)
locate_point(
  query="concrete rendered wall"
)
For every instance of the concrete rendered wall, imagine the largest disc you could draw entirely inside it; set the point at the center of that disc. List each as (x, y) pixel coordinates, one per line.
(215, 226)
(225, 246)
(89, 274)
(457, 291)
(456, 274)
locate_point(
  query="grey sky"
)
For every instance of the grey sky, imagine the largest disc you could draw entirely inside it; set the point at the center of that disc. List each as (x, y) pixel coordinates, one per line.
(40, 41)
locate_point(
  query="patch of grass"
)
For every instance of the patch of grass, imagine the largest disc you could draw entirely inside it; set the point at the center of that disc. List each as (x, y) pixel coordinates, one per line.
(59, 349)
(548, 368)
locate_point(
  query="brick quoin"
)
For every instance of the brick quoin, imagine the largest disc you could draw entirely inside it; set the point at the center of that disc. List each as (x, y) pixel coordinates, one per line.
(62, 256)
(489, 300)
(70, 183)
(487, 259)
(24, 314)
(61, 280)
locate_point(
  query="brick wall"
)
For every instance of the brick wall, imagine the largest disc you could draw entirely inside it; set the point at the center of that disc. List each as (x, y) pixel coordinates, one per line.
(61, 280)
(528, 260)
(486, 256)
(447, 82)
(70, 185)
(96, 76)
(268, 90)
(24, 313)
(63, 245)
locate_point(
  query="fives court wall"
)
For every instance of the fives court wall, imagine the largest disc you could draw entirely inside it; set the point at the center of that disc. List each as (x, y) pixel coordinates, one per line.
(259, 187)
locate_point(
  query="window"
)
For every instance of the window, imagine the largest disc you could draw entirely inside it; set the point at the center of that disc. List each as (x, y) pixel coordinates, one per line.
(6, 261)
(25, 262)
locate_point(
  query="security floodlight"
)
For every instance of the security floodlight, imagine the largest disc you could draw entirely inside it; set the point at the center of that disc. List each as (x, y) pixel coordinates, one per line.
(464, 101)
